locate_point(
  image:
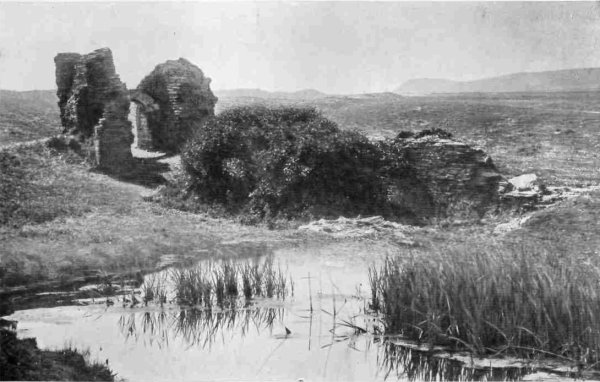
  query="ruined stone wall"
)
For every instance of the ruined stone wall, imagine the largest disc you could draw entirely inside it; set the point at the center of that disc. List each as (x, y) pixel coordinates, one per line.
(184, 100)
(65, 74)
(450, 175)
(94, 105)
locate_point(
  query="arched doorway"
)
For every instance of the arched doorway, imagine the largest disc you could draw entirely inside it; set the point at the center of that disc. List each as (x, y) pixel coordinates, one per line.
(141, 105)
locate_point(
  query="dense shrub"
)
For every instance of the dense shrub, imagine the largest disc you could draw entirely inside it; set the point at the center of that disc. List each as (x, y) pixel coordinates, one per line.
(289, 161)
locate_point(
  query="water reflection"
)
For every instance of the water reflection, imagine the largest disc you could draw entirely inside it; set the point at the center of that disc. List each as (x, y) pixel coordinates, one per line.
(331, 334)
(201, 328)
(197, 327)
(400, 362)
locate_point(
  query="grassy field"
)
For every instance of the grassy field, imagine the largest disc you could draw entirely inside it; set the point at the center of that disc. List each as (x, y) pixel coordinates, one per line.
(54, 207)
(551, 134)
(60, 220)
(25, 116)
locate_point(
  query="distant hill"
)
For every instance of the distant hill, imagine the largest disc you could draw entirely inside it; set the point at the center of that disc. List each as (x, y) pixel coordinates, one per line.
(258, 93)
(27, 115)
(34, 99)
(551, 81)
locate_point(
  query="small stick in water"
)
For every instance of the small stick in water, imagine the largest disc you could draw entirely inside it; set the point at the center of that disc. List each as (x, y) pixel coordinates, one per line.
(310, 293)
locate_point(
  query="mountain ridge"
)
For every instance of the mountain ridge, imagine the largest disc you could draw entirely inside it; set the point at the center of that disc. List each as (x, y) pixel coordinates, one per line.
(259, 93)
(582, 79)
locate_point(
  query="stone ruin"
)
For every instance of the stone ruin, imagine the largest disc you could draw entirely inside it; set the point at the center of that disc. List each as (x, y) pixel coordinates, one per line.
(449, 177)
(181, 99)
(95, 106)
(175, 98)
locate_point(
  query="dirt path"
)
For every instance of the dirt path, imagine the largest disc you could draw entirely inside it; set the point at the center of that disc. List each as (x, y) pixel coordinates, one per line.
(4, 146)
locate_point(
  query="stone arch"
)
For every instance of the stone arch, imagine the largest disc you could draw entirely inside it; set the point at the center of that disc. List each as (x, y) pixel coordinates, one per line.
(141, 105)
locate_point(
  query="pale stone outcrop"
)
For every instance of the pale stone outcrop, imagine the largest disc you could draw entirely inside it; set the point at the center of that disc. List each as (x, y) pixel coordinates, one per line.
(524, 182)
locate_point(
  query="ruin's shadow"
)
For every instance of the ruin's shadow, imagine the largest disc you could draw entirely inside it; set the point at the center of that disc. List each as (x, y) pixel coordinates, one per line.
(147, 172)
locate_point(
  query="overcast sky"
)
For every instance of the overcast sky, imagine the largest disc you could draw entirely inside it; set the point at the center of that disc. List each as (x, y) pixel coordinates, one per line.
(335, 47)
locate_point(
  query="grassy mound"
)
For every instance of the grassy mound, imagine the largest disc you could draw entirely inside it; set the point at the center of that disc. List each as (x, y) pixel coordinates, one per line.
(289, 162)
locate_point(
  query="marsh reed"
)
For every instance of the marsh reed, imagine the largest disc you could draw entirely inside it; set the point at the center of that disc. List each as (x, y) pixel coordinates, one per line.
(495, 300)
(218, 283)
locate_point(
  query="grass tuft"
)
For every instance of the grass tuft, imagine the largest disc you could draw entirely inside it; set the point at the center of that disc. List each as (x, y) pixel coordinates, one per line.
(222, 283)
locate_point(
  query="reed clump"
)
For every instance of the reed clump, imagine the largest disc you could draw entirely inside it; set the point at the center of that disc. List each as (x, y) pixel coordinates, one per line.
(498, 299)
(222, 283)
(154, 289)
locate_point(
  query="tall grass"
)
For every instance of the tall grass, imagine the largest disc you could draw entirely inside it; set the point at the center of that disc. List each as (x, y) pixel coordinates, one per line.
(154, 288)
(495, 300)
(222, 283)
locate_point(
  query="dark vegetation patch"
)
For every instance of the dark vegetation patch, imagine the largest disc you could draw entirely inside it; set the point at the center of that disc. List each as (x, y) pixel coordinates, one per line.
(290, 162)
(22, 360)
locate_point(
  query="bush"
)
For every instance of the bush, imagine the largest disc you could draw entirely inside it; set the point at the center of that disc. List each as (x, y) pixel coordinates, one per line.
(288, 161)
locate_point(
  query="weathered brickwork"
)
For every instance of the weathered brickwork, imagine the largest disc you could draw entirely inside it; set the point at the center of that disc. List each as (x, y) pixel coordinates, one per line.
(94, 105)
(184, 100)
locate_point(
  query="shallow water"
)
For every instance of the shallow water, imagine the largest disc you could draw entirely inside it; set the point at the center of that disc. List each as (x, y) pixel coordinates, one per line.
(269, 340)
